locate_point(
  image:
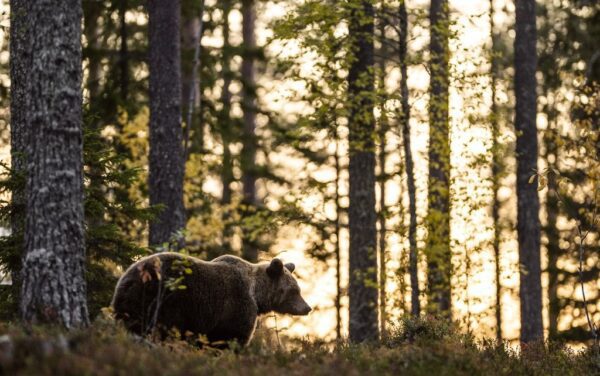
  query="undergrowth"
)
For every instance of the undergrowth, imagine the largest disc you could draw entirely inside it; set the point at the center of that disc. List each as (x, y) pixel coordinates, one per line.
(413, 347)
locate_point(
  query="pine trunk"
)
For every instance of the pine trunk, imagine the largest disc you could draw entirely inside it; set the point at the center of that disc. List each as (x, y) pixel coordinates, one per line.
(20, 68)
(438, 221)
(528, 205)
(496, 170)
(226, 131)
(361, 211)
(54, 288)
(166, 168)
(415, 305)
(123, 51)
(338, 245)
(552, 234)
(248, 157)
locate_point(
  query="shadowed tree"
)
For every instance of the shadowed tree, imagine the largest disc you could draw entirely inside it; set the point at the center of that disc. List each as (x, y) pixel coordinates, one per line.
(248, 155)
(438, 216)
(226, 127)
(166, 169)
(415, 305)
(528, 205)
(53, 284)
(20, 67)
(496, 166)
(361, 211)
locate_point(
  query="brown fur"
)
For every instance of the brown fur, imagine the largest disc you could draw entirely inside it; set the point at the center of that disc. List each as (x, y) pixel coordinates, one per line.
(221, 299)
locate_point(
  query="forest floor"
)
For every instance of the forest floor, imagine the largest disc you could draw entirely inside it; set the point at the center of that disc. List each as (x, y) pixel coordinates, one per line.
(416, 348)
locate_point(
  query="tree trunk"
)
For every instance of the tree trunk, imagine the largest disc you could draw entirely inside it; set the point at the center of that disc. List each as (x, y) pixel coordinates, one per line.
(20, 68)
(361, 212)
(92, 32)
(415, 306)
(438, 216)
(166, 171)
(193, 29)
(528, 222)
(248, 157)
(338, 245)
(496, 169)
(226, 130)
(54, 288)
(552, 234)
(382, 215)
(123, 52)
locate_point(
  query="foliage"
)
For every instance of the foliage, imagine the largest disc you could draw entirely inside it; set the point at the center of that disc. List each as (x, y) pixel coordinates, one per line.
(106, 349)
(109, 213)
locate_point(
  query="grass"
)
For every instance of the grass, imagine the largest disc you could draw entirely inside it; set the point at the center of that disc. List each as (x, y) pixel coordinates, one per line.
(421, 347)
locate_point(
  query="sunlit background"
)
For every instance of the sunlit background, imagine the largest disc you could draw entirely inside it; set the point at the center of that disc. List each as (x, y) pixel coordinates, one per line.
(473, 284)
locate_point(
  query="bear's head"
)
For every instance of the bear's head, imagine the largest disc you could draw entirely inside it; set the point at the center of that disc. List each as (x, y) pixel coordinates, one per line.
(285, 292)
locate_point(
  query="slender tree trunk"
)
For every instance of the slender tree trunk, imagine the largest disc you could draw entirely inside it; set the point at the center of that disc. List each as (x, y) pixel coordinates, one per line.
(496, 167)
(552, 234)
(528, 205)
(338, 248)
(226, 129)
(438, 217)
(20, 68)
(382, 156)
(193, 29)
(361, 212)
(165, 179)
(92, 30)
(54, 288)
(415, 307)
(123, 52)
(248, 157)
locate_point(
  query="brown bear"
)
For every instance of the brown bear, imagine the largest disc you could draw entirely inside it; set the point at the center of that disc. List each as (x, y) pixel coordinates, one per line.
(220, 299)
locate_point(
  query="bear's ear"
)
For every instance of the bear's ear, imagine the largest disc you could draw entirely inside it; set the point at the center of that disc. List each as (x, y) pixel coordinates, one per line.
(290, 266)
(275, 268)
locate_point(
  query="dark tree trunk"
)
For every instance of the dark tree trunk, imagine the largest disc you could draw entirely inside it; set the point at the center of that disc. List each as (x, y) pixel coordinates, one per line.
(382, 156)
(338, 246)
(193, 29)
(54, 288)
(248, 157)
(123, 52)
(165, 180)
(496, 170)
(552, 233)
(20, 68)
(415, 305)
(528, 205)
(361, 212)
(226, 130)
(438, 217)
(92, 32)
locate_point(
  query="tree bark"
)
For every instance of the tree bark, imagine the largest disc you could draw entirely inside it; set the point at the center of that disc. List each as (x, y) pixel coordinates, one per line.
(92, 31)
(415, 306)
(193, 29)
(20, 68)
(248, 156)
(123, 51)
(226, 129)
(382, 156)
(54, 288)
(528, 222)
(166, 170)
(338, 245)
(438, 217)
(361, 211)
(496, 170)
(552, 233)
